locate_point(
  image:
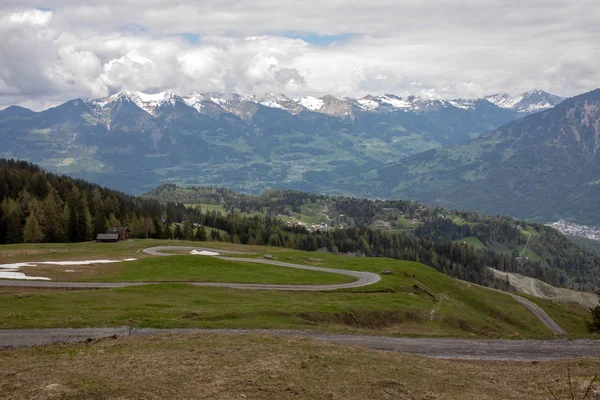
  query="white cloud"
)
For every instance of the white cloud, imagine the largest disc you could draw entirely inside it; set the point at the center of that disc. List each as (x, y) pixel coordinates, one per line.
(30, 17)
(448, 48)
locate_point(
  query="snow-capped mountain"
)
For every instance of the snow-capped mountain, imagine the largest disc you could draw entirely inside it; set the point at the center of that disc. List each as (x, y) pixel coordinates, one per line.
(274, 100)
(147, 102)
(228, 138)
(214, 104)
(529, 102)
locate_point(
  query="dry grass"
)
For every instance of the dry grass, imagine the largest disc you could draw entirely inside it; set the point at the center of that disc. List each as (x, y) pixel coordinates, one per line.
(213, 366)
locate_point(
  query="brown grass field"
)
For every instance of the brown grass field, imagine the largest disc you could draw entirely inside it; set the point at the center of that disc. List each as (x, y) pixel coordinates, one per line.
(222, 366)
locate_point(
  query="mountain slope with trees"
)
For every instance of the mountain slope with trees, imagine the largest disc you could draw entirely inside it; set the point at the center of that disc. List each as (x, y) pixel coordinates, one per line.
(503, 243)
(542, 167)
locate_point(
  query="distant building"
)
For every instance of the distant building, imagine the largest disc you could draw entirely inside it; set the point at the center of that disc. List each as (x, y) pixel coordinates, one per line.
(113, 235)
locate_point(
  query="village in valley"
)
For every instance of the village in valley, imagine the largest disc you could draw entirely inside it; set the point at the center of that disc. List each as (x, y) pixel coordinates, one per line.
(570, 228)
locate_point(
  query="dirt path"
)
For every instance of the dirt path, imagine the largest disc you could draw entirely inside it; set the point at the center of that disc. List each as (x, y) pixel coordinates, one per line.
(472, 349)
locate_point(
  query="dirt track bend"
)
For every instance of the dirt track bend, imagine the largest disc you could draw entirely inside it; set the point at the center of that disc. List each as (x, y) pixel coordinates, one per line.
(363, 279)
(448, 348)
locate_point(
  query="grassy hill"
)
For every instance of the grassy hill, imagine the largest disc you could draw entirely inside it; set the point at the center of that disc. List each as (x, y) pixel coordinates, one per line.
(413, 300)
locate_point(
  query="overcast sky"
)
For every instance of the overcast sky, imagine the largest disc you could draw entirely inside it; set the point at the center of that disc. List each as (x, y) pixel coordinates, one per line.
(52, 50)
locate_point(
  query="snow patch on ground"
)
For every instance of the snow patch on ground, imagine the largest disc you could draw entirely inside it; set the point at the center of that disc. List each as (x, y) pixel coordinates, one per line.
(21, 276)
(11, 271)
(203, 253)
(87, 262)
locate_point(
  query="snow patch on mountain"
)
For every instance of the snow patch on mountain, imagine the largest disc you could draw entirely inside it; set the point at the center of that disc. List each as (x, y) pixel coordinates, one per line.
(529, 102)
(312, 103)
(145, 101)
(465, 104)
(395, 101)
(368, 103)
(504, 100)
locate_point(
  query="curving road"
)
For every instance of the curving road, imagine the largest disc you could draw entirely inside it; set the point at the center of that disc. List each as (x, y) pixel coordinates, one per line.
(448, 348)
(539, 314)
(362, 279)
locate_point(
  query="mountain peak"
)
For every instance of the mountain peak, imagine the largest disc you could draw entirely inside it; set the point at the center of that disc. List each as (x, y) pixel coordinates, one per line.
(148, 102)
(527, 103)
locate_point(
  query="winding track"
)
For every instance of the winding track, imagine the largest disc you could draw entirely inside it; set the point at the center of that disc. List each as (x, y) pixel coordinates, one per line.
(362, 279)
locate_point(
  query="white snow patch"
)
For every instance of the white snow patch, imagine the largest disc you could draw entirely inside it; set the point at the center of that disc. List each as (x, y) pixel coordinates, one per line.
(368, 104)
(147, 102)
(21, 276)
(396, 102)
(462, 103)
(504, 100)
(272, 104)
(203, 253)
(87, 262)
(16, 266)
(69, 270)
(221, 102)
(10, 271)
(312, 103)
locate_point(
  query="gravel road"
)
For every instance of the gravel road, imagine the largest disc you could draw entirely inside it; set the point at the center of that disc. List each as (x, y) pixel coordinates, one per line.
(466, 349)
(540, 314)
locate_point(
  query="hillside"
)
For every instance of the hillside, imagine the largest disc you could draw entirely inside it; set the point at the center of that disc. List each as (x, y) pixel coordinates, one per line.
(542, 167)
(503, 243)
(131, 141)
(537, 288)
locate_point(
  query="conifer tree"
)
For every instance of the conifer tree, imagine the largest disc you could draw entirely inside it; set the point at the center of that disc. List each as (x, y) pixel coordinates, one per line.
(188, 231)
(594, 325)
(178, 234)
(53, 215)
(32, 233)
(201, 234)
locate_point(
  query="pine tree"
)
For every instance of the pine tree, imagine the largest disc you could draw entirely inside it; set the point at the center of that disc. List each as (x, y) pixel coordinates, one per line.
(188, 231)
(594, 325)
(99, 216)
(201, 234)
(32, 233)
(12, 220)
(53, 211)
(178, 234)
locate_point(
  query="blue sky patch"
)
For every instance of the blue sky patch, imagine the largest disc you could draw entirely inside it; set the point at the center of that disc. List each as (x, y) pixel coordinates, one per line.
(321, 40)
(190, 37)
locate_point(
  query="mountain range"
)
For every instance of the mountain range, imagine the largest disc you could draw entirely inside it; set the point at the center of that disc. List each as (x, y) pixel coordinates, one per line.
(544, 166)
(132, 140)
